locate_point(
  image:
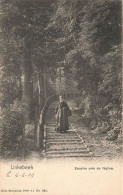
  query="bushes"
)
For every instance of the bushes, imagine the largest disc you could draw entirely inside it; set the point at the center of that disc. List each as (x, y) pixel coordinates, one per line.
(11, 131)
(104, 119)
(102, 113)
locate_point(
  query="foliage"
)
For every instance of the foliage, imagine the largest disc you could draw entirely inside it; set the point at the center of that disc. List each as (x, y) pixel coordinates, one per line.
(25, 57)
(11, 131)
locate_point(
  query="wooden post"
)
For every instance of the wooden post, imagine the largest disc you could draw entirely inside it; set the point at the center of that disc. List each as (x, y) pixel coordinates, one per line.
(41, 135)
(23, 144)
(38, 137)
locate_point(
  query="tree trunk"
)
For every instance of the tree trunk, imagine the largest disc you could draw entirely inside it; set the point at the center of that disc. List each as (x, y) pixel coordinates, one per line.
(20, 86)
(28, 82)
(42, 91)
(45, 88)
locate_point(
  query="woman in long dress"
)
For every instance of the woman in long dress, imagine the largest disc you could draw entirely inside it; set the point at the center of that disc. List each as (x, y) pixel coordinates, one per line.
(62, 115)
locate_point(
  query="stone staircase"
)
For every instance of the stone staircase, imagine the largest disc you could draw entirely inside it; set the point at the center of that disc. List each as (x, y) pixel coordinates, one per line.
(63, 145)
(60, 145)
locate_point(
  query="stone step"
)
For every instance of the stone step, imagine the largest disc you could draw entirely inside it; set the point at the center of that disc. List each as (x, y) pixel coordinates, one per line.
(66, 147)
(67, 151)
(61, 134)
(62, 140)
(54, 130)
(58, 133)
(51, 128)
(69, 155)
(68, 142)
(48, 124)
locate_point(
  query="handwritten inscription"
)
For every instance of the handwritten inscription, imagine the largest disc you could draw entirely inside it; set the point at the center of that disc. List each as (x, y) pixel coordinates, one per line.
(19, 174)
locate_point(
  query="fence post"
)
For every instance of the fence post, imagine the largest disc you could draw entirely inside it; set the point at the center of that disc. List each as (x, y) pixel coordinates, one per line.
(38, 137)
(23, 144)
(41, 136)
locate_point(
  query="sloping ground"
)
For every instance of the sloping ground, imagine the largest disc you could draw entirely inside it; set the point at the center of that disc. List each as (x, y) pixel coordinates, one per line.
(98, 144)
(94, 141)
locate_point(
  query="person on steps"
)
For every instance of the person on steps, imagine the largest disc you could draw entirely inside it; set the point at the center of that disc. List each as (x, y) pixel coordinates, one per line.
(61, 112)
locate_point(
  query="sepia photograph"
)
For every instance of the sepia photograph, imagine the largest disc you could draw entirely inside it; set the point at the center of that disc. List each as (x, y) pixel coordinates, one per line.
(60, 95)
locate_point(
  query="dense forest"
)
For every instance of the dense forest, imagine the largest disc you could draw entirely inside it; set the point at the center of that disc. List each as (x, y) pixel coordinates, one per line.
(38, 37)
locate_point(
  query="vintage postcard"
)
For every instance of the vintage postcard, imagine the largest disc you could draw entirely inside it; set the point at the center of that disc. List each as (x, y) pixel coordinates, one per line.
(60, 97)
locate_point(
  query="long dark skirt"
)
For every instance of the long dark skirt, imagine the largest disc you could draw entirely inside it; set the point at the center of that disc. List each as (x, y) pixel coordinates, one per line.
(62, 120)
